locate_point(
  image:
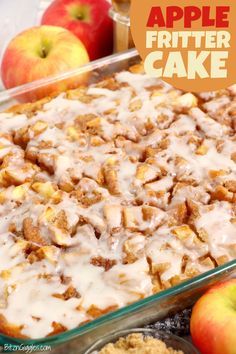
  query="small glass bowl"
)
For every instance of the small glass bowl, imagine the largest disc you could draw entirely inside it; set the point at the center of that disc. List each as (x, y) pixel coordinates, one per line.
(170, 340)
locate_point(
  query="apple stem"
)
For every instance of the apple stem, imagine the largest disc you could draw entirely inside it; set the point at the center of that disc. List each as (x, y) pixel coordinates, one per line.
(80, 12)
(44, 53)
(80, 16)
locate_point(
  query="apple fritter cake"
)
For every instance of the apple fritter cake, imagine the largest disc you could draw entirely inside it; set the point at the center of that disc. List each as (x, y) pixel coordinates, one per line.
(109, 194)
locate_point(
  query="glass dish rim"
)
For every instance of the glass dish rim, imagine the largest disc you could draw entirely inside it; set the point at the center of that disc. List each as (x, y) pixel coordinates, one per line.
(76, 332)
(8, 94)
(180, 288)
(125, 332)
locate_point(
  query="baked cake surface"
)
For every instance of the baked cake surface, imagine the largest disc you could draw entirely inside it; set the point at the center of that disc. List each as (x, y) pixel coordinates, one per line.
(110, 194)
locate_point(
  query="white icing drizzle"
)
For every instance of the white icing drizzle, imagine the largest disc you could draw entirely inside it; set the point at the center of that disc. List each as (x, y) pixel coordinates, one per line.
(103, 208)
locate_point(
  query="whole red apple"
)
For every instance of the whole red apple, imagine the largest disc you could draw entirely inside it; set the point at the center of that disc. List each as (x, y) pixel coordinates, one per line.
(41, 52)
(87, 19)
(213, 321)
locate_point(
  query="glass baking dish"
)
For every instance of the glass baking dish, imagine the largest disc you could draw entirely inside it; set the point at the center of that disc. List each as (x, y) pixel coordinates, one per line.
(158, 306)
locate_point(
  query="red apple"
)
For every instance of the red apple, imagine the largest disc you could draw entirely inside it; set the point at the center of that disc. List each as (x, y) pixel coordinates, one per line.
(88, 20)
(213, 321)
(41, 52)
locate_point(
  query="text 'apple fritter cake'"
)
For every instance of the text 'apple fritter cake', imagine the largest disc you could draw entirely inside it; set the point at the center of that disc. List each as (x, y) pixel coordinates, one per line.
(109, 194)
